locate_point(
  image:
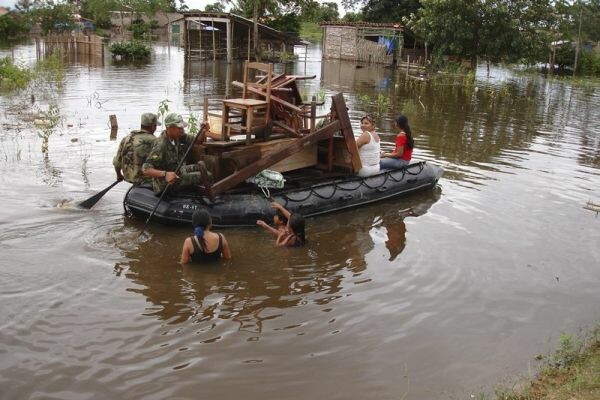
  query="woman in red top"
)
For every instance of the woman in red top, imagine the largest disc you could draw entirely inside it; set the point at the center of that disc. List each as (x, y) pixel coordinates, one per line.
(402, 153)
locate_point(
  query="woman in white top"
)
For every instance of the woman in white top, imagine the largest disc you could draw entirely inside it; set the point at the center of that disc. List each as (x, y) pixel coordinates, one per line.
(369, 147)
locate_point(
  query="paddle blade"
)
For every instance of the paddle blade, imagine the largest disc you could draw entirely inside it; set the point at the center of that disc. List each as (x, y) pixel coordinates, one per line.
(89, 203)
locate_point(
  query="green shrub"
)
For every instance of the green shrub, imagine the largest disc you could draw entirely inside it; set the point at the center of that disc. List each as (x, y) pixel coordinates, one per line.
(133, 49)
(590, 64)
(11, 26)
(141, 28)
(51, 68)
(13, 76)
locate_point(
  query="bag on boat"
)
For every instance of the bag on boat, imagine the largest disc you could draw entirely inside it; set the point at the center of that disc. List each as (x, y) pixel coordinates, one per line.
(267, 179)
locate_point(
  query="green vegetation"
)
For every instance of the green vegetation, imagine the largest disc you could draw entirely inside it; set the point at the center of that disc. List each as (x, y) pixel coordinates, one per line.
(16, 77)
(12, 25)
(590, 64)
(50, 69)
(572, 372)
(142, 29)
(54, 17)
(47, 122)
(378, 105)
(163, 109)
(133, 49)
(13, 76)
(311, 31)
(314, 11)
(389, 10)
(288, 23)
(215, 7)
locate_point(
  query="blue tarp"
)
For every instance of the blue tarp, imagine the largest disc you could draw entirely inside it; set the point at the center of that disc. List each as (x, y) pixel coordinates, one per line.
(388, 42)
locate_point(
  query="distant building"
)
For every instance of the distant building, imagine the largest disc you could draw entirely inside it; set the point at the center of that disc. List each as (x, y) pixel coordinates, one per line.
(370, 42)
(4, 10)
(121, 20)
(228, 36)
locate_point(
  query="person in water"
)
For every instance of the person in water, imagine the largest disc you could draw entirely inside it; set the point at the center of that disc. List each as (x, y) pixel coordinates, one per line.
(205, 245)
(280, 222)
(402, 153)
(368, 147)
(293, 235)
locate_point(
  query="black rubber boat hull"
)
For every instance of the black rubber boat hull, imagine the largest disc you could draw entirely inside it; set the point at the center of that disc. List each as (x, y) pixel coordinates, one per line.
(230, 210)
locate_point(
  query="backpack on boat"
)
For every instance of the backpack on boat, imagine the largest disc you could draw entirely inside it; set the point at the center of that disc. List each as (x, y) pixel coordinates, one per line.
(267, 179)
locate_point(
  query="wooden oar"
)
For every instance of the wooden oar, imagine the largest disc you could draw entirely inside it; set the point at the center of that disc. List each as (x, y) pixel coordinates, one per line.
(89, 203)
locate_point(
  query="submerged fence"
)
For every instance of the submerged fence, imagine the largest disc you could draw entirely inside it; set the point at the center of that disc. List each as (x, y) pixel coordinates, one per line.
(69, 43)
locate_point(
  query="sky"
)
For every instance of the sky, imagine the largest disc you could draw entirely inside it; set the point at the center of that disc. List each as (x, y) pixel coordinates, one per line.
(199, 4)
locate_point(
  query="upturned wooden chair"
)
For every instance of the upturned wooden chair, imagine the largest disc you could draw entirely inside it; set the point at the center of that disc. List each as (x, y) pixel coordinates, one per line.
(250, 107)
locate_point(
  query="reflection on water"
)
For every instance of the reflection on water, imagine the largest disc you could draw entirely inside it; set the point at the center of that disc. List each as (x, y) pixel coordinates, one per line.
(451, 289)
(229, 290)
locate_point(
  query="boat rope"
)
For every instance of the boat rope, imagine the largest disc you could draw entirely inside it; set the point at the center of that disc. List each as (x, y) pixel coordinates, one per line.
(361, 182)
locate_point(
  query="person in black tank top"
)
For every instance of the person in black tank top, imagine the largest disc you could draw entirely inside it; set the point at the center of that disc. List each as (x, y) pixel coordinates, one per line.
(205, 245)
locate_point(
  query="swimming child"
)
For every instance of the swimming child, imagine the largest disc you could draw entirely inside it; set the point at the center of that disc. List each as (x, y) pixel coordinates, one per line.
(279, 222)
(292, 233)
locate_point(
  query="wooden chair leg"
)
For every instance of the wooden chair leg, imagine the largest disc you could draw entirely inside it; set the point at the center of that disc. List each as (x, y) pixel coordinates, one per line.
(225, 123)
(249, 121)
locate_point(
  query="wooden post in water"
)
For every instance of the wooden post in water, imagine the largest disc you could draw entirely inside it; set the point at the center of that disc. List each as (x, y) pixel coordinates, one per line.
(407, 64)
(213, 37)
(229, 42)
(187, 39)
(114, 126)
(205, 110)
(313, 112)
(200, 37)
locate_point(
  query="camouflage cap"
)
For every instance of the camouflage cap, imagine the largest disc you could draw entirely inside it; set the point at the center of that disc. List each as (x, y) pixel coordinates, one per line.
(175, 120)
(149, 119)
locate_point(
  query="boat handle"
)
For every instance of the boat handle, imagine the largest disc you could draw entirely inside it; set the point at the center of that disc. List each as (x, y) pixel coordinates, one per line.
(413, 180)
(382, 189)
(346, 197)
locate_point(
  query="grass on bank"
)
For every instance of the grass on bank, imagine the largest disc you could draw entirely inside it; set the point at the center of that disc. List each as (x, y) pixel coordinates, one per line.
(311, 31)
(573, 372)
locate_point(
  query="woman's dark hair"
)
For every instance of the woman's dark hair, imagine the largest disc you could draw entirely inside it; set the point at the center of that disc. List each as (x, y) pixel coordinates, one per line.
(282, 219)
(297, 225)
(201, 220)
(402, 122)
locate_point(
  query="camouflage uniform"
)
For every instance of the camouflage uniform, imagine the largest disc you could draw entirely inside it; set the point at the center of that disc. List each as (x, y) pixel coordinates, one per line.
(166, 156)
(132, 153)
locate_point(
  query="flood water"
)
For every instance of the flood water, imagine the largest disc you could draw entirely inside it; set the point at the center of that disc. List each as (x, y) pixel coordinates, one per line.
(440, 295)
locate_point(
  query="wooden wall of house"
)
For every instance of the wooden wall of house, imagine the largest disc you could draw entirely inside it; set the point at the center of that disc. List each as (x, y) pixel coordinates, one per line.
(339, 42)
(371, 52)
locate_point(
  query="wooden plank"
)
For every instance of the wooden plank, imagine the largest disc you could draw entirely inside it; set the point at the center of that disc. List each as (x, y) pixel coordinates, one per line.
(307, 157)
(339, 105)
(275, 156)
(286, 128)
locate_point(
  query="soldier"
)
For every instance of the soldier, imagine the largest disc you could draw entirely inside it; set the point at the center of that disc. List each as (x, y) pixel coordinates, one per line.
(165, 156)
(133, 150)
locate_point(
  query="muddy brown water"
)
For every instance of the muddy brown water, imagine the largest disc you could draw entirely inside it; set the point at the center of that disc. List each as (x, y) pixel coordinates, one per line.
(438, 295)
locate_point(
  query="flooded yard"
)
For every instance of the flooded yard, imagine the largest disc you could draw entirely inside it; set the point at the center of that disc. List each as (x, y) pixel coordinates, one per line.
(438, 295)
